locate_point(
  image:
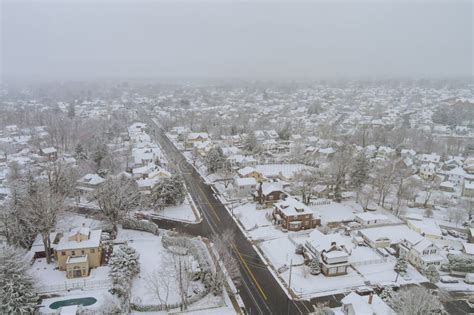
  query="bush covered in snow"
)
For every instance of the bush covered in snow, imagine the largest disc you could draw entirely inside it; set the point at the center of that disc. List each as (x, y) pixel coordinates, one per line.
(194, 247)
(140, 225)
(124, 266)
(461, 264)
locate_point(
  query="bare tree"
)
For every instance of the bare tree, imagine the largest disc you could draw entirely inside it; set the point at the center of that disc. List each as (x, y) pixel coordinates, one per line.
(416, 300)
(161, 279)
(222, 245)
(61, 177)
(116, 197)
(340, 167)
(384, 177)
(44, 207)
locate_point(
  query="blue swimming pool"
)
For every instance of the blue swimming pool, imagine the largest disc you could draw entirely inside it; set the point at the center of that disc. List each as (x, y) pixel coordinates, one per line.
(80, 301)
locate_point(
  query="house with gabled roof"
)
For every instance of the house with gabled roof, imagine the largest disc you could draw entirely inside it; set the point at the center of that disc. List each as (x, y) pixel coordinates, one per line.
(294, 215)
(422, 253)
(332, 250)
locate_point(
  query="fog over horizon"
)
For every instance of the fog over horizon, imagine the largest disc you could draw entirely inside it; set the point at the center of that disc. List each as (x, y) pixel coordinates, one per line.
(236, 39)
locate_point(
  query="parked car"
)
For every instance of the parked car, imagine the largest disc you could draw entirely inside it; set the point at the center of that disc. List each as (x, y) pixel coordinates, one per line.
(453, 233)
(447, 279)
(469, 278)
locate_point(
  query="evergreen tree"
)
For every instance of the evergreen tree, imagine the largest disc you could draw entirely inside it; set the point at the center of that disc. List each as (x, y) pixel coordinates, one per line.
(71, 111)
(215, 159)
(386, 294)
(250, 143)
(314, 266)
(401, 266)
(17, 295)
(124, 266)
(360, 172)
(169, 191)
(432, 274)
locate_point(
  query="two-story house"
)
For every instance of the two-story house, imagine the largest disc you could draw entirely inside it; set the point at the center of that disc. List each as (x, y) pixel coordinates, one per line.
(78, 251)
(293, 215)
(422, 253)
(268, 193)
(332, 251)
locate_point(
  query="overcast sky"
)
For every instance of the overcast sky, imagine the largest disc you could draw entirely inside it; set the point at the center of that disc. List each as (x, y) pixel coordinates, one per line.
(194, 39)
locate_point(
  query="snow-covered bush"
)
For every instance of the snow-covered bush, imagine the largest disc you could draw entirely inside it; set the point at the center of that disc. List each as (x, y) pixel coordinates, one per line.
(461, 264)
(315, 268)
(140, 225)
(194, 246)
(17, 295)
(416, 300)
(432, 274)
(124, 266)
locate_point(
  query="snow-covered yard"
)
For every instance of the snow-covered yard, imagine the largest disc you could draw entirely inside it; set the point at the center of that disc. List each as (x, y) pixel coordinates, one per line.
(182, 212)
(154, 258)
(48, 275)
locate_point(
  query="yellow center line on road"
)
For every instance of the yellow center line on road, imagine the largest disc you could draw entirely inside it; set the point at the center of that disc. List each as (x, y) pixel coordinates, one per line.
(209, 203)
(250, 272)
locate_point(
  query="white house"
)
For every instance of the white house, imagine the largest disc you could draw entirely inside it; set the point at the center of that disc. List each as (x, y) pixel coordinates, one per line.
(355, 304)
(428, 171)
(332, 250)
(422, 253)
(244, 186)
(371, 219)
(456, 175)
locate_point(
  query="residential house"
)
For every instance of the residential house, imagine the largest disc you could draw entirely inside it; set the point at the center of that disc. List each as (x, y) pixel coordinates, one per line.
(244, 186)
(428, 171)
(332, 250)
(355, 304)
(429, 158)
(422, 253)
(50, 153)
(194, 137)
(468, 189)
(250, 172)
(293, 215)
(456, 175)
(469, 165)
(468, 249)
(268, 193)
(429, 229)
(387, 236)
(79, 251)
(89, 183)
(371, 219)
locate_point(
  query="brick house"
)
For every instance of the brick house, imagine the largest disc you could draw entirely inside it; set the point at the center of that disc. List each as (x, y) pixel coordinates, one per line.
(293, 215)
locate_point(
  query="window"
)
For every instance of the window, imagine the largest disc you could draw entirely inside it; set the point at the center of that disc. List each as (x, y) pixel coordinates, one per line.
(92, 250)
(73, 253)
(82, 252)
(63, 253)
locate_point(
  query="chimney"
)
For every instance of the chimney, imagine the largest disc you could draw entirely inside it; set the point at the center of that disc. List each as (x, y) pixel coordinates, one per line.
(370, 298)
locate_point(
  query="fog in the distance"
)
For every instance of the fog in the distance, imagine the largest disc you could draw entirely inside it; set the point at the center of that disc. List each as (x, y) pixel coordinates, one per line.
(149, 39)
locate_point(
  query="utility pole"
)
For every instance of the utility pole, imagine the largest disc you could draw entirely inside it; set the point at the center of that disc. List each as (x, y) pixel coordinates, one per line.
(289, 286)
(180, 283)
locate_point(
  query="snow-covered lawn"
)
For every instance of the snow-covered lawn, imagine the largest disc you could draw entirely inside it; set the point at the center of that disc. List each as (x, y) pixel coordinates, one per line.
(153, 256)
(384, 273)
(180, 212)
(306, 285)
(250, 217)
(280, 252)
(49, 274)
